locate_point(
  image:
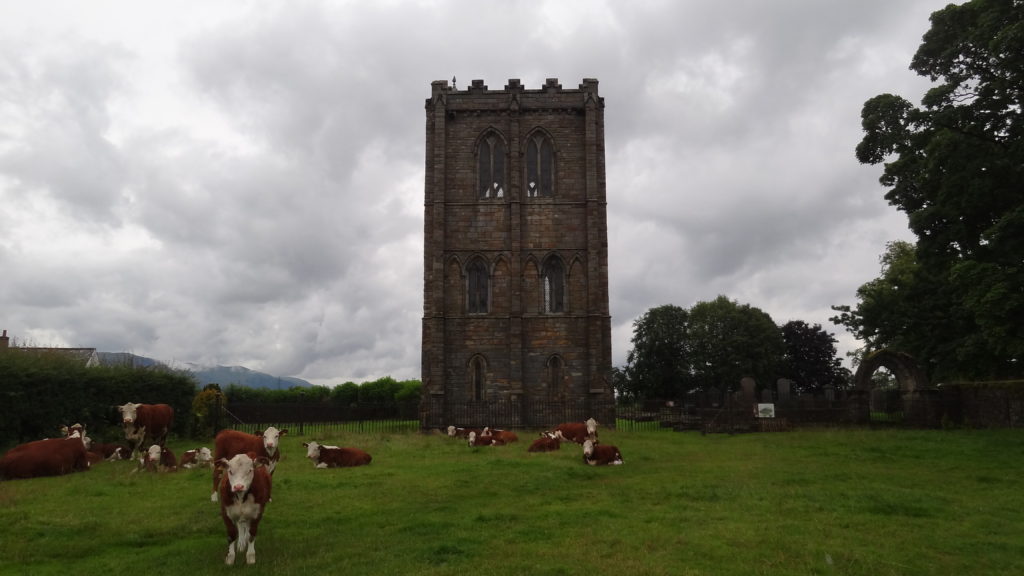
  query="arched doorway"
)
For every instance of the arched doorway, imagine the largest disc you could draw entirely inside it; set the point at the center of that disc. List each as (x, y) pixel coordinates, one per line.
(892, 380)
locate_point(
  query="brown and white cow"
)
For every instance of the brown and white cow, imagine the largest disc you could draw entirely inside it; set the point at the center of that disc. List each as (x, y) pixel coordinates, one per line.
(109, 451)
(483, 440)
(244, 493)
(158, 459)
(145, 424)
(578, 432)
(596, 454)
(457, 432)
(50, 457)
(548, 442)
(505, 436)
(335, 456)
(196, 458)
(229, 443)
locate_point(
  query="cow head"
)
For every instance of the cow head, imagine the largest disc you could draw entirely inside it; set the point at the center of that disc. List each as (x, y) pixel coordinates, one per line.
(312, 450)
(472, 438)
(153, 454)
(128, 412)
(588, 448)
(239, 471)
(451, 431)
(591, 427)
(203, 455)
(272, 439)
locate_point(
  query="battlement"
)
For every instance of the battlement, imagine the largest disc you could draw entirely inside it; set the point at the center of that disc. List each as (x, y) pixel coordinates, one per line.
(514, 86)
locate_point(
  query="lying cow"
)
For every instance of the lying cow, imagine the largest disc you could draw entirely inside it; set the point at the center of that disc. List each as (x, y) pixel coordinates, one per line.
(505, 436)
(335, 456)
(196, 458)
(229, 443)
(50, 457)
(457, 432)
(578, 432)
(158, 459)
(484, 440)
(596, 454)
(244, 492)
(109, 451)
(548, 442)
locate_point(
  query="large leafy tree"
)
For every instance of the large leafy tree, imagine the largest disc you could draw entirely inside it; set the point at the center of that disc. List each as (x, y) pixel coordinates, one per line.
(657, 364)
(810, 358)
(955, 166)
(730, 341)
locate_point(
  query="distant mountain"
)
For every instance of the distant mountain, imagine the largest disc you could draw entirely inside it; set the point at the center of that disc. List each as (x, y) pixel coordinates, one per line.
(222, 375)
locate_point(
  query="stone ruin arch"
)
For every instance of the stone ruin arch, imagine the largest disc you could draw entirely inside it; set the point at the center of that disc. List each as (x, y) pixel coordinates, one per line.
(908, 373)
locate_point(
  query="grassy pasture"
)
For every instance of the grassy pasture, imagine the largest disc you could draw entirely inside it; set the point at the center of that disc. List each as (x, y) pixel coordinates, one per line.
(869, 502)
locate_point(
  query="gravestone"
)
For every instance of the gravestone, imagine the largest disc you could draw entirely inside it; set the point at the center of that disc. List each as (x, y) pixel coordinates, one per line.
(748, 388)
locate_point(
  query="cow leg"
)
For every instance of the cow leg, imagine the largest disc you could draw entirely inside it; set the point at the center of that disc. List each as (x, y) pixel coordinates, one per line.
(216, 483)
(250, 554)
(229, 559)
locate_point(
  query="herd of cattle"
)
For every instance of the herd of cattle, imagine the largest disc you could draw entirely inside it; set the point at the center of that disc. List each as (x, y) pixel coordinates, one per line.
(243, 464)
(584, 433)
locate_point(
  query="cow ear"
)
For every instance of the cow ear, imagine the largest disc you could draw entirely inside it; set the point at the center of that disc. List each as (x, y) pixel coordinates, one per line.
(283, 432)
(262, 461)
(305, 444)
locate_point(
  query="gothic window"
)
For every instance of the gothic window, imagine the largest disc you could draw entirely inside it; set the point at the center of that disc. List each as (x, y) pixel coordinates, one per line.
(556, 387)
(539, 166)
(491, 168)
(554, 286)
(478, 285)
(477, 370)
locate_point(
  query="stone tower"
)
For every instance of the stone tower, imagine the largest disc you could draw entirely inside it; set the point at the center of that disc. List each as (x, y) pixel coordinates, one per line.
(516, 326)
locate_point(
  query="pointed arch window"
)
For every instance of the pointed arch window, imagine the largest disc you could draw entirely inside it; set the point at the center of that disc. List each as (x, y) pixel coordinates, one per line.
(491, 167)
(554, 286)
(478, 285)
(477, 373)
(540, 161)
(556, 378)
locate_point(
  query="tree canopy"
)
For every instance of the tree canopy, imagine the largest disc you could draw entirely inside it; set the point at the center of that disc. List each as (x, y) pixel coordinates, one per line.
(955, 166)
(810, 358)
(712, 345)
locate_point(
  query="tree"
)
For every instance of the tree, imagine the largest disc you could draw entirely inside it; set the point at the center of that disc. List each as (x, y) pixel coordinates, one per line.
(955, 166)
(810, 358)
(657, 366)
(729, 341)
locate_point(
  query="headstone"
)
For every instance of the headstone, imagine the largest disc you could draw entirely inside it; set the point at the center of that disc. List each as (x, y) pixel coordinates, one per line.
(749, 389)
(783, 386)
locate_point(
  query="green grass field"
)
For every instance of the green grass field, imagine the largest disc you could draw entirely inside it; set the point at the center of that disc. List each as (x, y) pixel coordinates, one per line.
(804, 502)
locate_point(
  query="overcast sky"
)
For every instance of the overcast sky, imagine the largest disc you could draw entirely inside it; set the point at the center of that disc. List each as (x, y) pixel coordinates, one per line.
(241, 183)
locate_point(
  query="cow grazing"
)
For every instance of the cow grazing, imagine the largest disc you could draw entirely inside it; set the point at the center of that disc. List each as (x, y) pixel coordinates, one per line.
(484, 440)
(196, 458)
(158, 459)
(596, 454)
(578, 432)
(145, 424)
(50, 457)
(334, 456)
(229, 443)
(244, 493)
(548, 442)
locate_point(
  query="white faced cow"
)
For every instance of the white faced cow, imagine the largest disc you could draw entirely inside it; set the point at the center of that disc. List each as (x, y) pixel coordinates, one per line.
(244, 493)
(145, 424)
(196, 458)
(228, 443)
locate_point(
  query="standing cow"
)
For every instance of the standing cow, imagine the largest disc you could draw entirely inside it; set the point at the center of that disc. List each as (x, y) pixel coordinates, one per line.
(228, 443)
(244, 493)
(145, 424)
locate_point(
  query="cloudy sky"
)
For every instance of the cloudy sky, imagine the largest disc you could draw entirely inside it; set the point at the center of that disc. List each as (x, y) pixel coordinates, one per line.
(241, 183)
